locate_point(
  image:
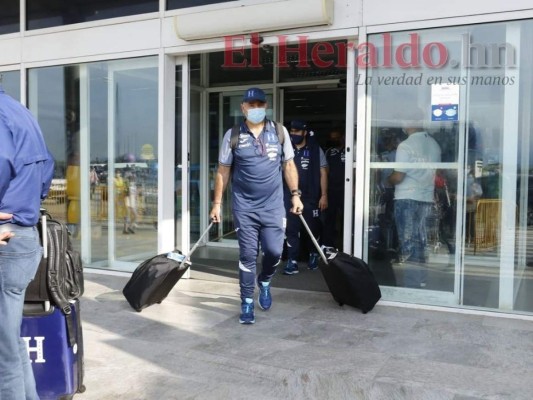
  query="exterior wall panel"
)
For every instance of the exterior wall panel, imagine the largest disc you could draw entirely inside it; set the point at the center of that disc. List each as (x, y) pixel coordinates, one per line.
(101, 40)
(378, 12)
(10, 51)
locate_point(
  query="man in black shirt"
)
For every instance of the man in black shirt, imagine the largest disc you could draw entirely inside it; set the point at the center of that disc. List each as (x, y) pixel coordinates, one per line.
(336, 158)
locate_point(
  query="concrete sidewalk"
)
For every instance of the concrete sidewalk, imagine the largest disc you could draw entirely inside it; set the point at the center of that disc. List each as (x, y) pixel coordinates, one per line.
(305, 347)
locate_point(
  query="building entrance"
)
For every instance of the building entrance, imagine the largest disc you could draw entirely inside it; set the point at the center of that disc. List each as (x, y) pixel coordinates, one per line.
(321, 106)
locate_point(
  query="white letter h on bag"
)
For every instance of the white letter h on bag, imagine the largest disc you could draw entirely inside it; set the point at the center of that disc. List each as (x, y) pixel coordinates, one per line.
(38, 349)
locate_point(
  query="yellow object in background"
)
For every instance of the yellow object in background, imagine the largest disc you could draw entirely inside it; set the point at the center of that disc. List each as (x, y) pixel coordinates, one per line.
(73, 194)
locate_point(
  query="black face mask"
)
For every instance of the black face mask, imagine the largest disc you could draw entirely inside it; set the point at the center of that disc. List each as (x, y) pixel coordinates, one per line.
(297, 139)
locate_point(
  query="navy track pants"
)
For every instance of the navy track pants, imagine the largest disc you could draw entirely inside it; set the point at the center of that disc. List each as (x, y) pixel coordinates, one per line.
(253, 228)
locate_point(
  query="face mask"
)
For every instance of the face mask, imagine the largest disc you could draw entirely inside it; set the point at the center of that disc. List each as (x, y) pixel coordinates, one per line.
(256, 115)
(297, 139)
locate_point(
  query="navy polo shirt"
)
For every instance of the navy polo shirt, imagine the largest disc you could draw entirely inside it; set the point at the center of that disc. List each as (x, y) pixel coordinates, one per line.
(257, 182)
(26, 166)
(304, 160)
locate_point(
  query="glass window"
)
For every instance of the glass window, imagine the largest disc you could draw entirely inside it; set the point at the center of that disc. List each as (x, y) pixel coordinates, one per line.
(449, 210)
(229, 68)
(178, 160)
(110, 107)
(10, 16)
(10, 82)
(312, 61)
(41, 14)
(175, 4)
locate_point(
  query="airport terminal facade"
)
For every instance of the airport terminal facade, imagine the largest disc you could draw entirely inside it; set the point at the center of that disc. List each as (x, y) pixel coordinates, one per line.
(138, 94)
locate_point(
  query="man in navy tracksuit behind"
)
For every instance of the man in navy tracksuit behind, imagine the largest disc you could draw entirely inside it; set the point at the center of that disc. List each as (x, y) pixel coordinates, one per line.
(256, 164)
(313, 180)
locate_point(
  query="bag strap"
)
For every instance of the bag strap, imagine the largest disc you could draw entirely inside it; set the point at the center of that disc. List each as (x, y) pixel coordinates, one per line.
(280, 132)
(53, 260)
(236, 130)
(234, 138)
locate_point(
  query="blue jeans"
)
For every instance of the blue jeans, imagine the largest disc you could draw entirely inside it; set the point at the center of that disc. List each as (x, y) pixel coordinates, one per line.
(19, 260)
(411, 219)
(267, 228)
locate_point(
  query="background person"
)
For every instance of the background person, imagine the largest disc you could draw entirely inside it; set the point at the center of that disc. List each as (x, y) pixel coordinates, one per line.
(414, 196)
(255, 166)
(313, 181)
(94, 180)
(130, 201)
(121, 189)
(336, 159)
(26, 173)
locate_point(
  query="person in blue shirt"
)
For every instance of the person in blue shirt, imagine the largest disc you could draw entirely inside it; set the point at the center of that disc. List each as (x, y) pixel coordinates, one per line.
(26, 170)
(313, 181)
(256, 165)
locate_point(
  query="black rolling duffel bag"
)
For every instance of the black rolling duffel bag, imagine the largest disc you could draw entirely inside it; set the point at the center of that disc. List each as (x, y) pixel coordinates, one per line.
(154, 278)
(349, 278)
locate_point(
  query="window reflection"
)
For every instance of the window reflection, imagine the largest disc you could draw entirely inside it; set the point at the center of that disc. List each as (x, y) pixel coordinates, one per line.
(50, 13)
(10, 82)
(10, 16)
(119, 190)
(175, 4)
(477, 237)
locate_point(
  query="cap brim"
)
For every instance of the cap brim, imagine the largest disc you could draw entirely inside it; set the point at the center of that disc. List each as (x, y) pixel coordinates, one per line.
(250, 99)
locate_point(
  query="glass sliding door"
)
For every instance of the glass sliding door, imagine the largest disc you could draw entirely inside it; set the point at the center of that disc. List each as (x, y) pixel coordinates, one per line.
(179, 173)
(133, 164)
(413, 180)
(473, 88)
(199, 201)
(100, 123)
(498, 170)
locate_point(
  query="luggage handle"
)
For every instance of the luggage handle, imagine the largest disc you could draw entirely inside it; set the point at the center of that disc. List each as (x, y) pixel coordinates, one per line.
(322, 255)
(44, 236)
(189, 254)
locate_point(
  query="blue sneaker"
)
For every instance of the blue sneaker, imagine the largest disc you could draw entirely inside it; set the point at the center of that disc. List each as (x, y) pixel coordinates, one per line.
(291, 268)
(313, 261)
(247, 312)
(265, 298)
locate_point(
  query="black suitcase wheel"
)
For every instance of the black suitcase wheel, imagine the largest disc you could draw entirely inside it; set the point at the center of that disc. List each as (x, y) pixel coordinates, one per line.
(82, 389)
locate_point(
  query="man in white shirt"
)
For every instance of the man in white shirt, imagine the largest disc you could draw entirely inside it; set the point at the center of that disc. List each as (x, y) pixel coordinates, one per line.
(414, 196)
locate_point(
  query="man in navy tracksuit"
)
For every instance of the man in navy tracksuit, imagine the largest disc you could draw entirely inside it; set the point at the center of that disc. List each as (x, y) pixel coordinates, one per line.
(256, 164)
(313, 180)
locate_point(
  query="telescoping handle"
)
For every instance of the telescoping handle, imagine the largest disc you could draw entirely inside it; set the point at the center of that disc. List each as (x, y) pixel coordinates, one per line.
(44, 236)
(187, 258)
(322, 255)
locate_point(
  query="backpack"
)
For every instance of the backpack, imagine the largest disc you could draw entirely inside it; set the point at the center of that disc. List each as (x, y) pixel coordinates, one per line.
(236, 130)
(59, 278)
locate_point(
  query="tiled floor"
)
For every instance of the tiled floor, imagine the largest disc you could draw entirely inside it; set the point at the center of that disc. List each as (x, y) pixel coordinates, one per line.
(306, 347)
